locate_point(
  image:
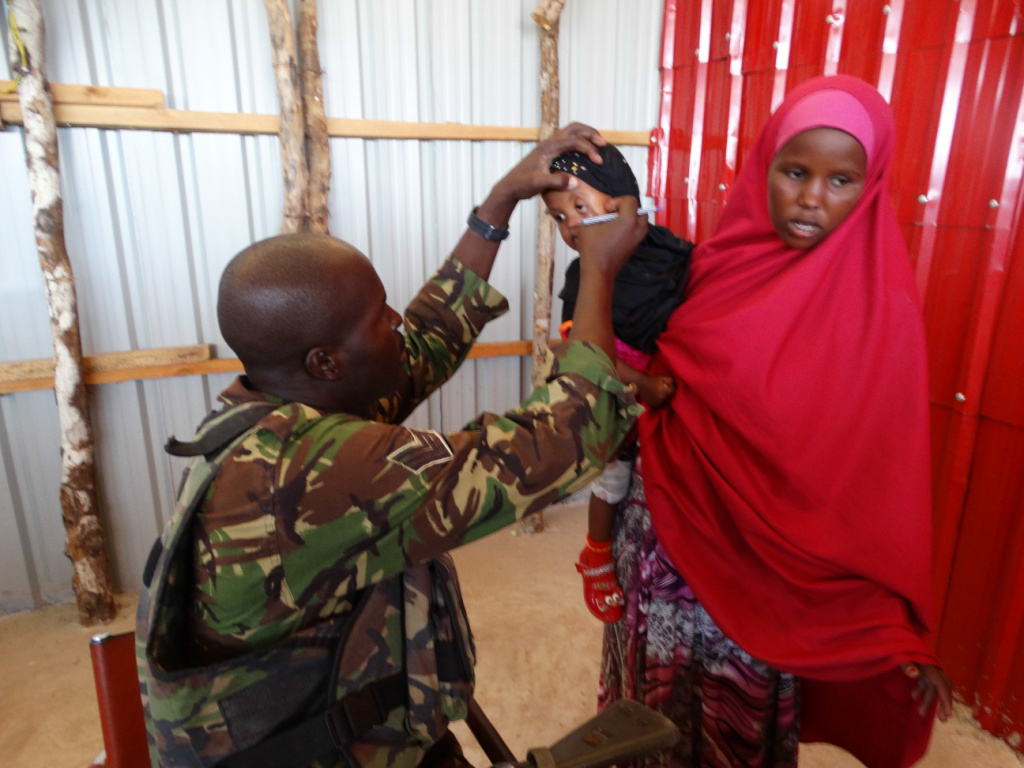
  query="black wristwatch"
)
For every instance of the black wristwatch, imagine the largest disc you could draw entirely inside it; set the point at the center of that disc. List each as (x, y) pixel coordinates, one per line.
(485, 230)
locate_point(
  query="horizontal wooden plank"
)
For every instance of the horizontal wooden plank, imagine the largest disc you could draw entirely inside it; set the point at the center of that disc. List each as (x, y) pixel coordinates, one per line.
(26, 375)
(24, 370)
(152, 119)
(182, 121)
(140, 365)
(391, 129)
(501, 349)
(64, 93)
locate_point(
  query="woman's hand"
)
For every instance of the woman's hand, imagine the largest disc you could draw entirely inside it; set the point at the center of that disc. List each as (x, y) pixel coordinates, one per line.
(931, 683)
(607, 246)
(603, 249)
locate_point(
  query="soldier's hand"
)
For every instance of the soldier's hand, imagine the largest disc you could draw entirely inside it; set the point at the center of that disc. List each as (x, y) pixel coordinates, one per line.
(531, 175)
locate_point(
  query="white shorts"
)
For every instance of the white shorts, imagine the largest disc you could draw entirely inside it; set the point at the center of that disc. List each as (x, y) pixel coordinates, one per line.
(612, 485)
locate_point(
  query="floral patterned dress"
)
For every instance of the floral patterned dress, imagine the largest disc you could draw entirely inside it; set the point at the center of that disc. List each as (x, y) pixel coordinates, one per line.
(667, 652)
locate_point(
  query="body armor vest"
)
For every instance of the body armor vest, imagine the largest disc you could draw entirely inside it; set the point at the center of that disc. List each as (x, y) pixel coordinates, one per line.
(315, 693)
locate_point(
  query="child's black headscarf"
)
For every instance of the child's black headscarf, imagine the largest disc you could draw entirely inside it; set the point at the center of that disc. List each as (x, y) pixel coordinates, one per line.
(651, 284)
(614, 177)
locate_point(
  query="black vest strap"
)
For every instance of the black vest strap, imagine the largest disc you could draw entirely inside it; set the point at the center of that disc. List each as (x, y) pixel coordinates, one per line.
(216, 437)
(208, 443)
(347, 721)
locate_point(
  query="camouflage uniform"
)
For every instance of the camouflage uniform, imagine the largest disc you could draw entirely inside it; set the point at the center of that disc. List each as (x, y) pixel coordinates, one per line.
(311, 508)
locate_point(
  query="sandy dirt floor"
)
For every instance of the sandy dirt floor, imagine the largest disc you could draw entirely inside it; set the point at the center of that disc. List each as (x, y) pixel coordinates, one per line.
(537, 648)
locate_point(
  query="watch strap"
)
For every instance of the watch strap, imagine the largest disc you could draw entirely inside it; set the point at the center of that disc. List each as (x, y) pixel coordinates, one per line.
(485, 230)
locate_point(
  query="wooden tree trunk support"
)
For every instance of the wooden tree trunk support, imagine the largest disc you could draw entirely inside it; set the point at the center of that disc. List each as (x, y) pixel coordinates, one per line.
(292, 129)
(547, 12)
(318, 153)
(85, 539)
(546, 15)
(545, 224)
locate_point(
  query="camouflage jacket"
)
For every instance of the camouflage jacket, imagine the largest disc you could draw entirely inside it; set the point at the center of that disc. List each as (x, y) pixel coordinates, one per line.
(311, 509)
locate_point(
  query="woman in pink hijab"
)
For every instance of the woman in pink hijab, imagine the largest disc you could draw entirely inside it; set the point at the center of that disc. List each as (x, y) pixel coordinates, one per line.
(779, 588)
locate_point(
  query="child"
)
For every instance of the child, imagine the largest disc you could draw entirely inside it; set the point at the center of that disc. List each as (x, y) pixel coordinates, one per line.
(648, 288)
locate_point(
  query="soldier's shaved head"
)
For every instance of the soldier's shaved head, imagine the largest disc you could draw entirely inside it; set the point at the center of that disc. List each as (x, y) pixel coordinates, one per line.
(290, 307)
(273, 296)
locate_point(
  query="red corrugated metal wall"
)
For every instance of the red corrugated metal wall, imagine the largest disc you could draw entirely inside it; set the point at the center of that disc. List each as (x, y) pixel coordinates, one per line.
(953, 71)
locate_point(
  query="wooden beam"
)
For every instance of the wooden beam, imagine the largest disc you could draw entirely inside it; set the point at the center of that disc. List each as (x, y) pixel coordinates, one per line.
(141, 365)
(93, 94)
(151, 119)
(391, 129)
(25, 375)
(501, 349)
(181, 121)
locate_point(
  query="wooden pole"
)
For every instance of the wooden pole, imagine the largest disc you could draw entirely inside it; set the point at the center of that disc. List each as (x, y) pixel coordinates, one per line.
(547, 12)
(85, 542)
(292, 129)
(546, 16)
(317, 148)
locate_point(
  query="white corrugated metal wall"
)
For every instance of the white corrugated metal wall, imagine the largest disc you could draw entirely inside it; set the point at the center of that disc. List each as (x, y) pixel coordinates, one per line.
(152, 217)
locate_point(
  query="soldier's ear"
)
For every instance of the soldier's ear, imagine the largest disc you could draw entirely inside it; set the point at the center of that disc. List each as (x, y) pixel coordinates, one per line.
(327, 363)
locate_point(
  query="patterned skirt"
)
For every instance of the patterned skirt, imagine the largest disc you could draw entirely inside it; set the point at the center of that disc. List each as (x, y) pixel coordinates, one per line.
(666, 652)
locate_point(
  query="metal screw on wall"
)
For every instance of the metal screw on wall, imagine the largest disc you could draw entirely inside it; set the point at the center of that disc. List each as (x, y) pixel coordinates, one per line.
(960, 397)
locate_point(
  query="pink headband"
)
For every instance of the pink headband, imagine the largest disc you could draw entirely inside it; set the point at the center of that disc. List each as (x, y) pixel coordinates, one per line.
(829, 108)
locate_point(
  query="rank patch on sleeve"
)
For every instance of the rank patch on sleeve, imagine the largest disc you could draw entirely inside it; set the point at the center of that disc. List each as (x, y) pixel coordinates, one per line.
(424, 449)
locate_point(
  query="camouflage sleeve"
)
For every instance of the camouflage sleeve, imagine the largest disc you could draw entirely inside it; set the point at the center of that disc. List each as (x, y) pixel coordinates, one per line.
(441, 324)
(387, 496)
(352, 501)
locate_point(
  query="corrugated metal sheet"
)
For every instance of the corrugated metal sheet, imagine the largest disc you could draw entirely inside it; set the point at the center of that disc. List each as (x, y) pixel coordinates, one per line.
(152, 217)
(954, 73)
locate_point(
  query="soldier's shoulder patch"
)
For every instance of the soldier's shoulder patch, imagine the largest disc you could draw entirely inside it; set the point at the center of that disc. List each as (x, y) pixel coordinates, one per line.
(422, 450)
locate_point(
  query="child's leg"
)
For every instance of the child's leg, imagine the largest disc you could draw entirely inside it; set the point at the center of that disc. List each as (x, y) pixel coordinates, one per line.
(601, 590)
(600, 516)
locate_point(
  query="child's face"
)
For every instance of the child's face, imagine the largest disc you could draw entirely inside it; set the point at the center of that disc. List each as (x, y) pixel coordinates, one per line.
(813, 183)
(569, 207)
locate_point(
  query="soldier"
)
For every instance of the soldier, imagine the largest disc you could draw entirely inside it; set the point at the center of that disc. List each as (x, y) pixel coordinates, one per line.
(301, 609)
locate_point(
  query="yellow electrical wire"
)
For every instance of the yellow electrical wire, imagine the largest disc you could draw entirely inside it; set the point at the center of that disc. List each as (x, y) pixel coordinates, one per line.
(21, 51)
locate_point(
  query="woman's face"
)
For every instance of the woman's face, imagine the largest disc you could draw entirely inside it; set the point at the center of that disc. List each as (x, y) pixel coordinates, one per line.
(570, 206)
(814, 182)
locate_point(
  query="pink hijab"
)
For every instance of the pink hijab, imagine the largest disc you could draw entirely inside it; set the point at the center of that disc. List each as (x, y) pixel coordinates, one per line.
(788, 480)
